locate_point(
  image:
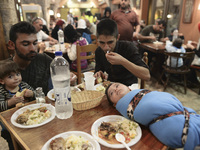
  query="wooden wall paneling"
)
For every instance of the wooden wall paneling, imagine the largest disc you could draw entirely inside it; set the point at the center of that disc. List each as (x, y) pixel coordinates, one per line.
(3, 49)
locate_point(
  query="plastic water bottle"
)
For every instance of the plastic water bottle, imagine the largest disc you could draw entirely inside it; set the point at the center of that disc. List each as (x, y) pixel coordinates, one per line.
(60, 75)
(175, 35)
(40, 96)
(60, 36)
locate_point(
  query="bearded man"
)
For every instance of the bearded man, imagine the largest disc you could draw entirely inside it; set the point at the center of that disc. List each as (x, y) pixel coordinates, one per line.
(35, 67)
(127, 21)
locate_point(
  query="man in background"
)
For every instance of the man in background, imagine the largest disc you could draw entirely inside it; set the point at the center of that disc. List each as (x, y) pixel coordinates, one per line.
(127, 21)
(91, 26)
(41, 36)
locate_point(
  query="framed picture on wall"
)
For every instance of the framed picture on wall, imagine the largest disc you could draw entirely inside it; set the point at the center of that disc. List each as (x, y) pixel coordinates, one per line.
(188, 11)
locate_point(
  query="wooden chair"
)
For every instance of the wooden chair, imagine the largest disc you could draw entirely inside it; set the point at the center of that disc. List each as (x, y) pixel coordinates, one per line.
(182, 70)
(93, 38)
(197, 69)
(145, 59)
(90, 50)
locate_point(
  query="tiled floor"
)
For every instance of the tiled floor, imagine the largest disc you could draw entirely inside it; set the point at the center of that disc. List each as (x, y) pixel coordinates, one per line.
(191, 99)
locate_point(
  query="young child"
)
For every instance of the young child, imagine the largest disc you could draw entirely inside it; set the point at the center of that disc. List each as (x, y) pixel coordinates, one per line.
(173, 124)
(177, 47)
(72, 36)
(11, 83)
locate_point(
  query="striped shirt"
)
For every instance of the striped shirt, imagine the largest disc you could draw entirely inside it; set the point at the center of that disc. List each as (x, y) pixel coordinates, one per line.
(5, 95)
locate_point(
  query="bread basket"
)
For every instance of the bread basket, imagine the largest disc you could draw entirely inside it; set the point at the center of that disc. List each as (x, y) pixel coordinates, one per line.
(86, 99)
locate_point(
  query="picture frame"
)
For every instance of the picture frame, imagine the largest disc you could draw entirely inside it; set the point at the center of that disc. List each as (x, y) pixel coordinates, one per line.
(188, 11)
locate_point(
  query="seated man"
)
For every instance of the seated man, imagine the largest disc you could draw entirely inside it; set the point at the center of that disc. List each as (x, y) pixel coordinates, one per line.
(119, 59)
(41, 36)
(35, 68)
(152, 33)
(173, 124)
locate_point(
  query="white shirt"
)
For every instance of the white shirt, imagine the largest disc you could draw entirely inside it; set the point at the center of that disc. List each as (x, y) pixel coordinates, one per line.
(41, 36)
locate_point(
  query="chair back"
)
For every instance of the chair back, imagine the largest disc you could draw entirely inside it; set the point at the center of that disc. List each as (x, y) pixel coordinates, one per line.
(93, 38)
(178, 62)
(145, 59)
(90, 50)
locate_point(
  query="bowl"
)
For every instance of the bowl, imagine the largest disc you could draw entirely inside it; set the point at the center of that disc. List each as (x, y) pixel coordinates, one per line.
(86, 99)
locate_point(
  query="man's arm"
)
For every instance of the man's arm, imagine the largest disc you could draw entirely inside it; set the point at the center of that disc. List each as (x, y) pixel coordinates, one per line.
(137, 30)
(138, 71)
(142, 37)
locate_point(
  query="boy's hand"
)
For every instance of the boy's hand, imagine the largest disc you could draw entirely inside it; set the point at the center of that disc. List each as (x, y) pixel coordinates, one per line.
(114, 58)
(28, 93)
(14, 100)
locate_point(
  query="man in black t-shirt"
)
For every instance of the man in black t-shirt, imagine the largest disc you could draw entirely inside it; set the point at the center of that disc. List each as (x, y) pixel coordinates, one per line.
(120, 59)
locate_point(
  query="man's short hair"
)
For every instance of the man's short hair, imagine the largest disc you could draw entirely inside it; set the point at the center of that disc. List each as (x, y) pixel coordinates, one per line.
(21, 27)
(162, 22)
(106, 92)
(107, 27)
(8, 66)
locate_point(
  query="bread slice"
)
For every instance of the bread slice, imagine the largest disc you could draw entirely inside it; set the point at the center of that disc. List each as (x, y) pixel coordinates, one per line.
(20, 94)
(99, 80)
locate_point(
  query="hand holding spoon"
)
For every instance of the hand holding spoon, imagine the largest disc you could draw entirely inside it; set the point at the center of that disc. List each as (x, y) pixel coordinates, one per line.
(120, 138)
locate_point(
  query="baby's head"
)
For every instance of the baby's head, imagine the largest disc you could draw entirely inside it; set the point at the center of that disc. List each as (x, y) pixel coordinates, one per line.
(177, 43)
(7, 67)
(115, 91)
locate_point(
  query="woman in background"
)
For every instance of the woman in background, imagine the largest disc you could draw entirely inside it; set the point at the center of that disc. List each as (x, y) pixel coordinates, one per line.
(59, 25)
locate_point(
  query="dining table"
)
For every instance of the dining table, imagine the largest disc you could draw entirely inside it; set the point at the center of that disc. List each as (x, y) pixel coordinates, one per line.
(156, 51)
(35, 138)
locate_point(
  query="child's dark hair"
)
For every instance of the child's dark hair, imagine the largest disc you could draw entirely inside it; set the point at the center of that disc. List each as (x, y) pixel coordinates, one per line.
(177, 43)
(106, 92)
(6, 67)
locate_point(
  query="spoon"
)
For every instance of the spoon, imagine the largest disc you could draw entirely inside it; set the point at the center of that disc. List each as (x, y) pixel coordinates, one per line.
(120, 138)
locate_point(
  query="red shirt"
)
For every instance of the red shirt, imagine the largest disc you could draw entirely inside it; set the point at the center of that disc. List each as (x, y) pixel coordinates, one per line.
(126, 23)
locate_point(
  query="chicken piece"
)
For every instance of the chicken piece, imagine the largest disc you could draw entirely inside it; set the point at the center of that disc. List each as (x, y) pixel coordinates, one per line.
(22, 119)
(57, 144)
(42, 109)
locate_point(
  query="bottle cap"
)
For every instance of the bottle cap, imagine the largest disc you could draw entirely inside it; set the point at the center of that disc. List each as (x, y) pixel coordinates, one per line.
(58, 53)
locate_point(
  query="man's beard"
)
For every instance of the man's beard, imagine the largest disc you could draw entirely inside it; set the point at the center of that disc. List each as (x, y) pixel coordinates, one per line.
(27, 57)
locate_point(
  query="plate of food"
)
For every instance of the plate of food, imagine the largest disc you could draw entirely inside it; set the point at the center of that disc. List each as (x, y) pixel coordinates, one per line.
(51, 94)
(33, 115)
(72, 140)
(105, 128)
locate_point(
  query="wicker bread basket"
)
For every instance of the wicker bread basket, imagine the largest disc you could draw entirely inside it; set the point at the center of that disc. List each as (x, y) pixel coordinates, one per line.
(86, 99)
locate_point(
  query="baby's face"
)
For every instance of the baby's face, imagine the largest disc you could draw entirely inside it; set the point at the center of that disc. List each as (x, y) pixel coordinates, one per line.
(116, 91)
(12, 80)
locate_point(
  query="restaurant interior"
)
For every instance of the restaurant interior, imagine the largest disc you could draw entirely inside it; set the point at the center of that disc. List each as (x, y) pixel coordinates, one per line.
(180, 14)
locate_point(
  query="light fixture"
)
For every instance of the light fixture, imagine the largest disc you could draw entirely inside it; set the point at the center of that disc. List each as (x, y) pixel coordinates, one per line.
(58, 15)
(51, 12)
(63, 6)
(169, 16)
(199, 7)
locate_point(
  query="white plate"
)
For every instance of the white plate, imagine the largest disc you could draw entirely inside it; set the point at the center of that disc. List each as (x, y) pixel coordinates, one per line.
(50, 93)
(32, 106)
(113, 118)
(93, 142)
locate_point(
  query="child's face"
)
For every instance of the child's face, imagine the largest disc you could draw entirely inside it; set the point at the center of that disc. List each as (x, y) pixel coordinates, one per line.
(12, 80)
(116, 91)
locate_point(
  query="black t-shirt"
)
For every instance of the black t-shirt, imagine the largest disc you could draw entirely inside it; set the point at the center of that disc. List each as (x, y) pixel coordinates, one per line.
(118, 73)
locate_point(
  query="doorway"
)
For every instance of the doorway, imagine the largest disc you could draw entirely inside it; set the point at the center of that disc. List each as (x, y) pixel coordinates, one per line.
(168, 10)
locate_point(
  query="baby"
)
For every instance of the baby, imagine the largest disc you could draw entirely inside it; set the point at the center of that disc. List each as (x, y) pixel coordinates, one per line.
(11, 83)
(173, 124)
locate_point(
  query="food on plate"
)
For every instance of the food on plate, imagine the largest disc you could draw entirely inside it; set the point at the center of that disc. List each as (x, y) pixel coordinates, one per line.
(35, 116)
(20, 94)
(57, 144)
(107, 130)
(72, 142)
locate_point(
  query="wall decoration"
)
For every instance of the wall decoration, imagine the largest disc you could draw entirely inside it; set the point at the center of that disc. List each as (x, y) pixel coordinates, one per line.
(188, 11)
